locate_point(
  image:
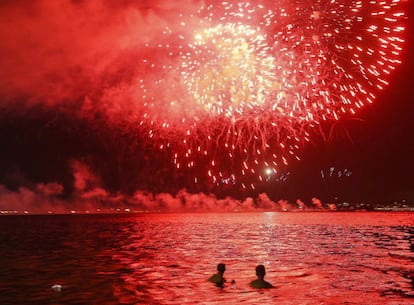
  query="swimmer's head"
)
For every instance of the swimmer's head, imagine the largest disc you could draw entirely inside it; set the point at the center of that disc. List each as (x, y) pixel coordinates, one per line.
(221, 268)
(260, 271)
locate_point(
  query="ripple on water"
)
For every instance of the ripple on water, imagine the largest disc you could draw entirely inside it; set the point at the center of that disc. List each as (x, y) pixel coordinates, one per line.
(311, 258)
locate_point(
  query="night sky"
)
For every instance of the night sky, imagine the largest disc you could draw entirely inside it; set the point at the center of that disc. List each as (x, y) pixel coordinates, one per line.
(66, 128)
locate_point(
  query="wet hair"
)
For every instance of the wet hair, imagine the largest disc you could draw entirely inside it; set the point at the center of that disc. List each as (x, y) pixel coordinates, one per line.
(260, 271)
(221, 267)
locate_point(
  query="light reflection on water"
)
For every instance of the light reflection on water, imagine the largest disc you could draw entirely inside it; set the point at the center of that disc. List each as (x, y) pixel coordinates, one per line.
(311, 258)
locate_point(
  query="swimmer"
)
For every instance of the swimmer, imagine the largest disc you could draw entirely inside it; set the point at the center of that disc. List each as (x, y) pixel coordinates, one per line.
(218, 278)
(260, 282)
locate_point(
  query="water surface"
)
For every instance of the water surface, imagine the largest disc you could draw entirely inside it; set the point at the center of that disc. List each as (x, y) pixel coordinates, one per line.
(310, 257)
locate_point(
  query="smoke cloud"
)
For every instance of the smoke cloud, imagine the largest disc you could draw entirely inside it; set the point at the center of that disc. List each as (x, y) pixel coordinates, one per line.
(57, 52)
(91, 196)
(26, 200)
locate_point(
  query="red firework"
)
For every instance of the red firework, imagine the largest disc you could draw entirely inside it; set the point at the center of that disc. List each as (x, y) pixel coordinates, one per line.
(233, 90)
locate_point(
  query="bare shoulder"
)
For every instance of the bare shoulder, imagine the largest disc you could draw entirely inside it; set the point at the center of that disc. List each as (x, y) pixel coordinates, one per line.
(260, 284)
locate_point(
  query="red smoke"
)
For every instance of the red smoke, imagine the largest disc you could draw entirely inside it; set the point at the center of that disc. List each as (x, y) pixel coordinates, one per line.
(57, 51)
(89, 195)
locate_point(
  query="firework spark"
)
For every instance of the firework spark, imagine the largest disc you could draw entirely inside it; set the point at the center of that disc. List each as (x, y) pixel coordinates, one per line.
(234, 89)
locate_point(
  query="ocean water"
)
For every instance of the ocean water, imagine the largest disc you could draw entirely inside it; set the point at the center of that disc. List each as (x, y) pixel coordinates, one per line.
(310, 258)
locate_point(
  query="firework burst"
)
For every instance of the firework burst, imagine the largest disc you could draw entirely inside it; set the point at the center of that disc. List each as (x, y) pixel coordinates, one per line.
(233, 90)
(229, 70)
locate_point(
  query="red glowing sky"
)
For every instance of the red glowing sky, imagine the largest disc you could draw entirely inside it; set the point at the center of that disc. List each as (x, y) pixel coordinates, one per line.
(68, 94)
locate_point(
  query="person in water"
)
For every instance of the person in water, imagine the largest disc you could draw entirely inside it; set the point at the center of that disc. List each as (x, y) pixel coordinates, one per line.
(218, 278)
(260, 282)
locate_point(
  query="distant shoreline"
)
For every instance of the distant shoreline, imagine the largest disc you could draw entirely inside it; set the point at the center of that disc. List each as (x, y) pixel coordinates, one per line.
(122, 213)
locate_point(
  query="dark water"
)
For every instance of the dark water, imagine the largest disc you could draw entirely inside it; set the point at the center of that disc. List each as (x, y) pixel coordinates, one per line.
(311, 258)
